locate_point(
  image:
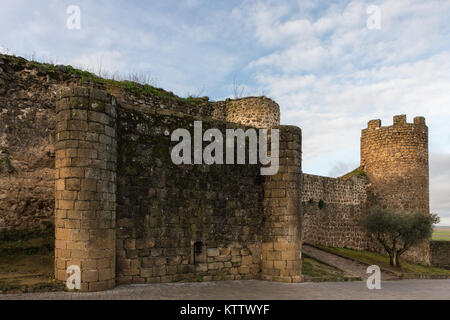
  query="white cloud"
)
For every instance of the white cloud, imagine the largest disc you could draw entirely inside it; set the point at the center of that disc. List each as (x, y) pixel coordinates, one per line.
(331, 74)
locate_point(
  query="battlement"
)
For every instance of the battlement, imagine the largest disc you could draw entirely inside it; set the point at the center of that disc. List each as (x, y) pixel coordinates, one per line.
(398, 120)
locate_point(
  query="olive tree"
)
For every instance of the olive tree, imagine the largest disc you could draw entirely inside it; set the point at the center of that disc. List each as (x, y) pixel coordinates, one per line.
(398, 231)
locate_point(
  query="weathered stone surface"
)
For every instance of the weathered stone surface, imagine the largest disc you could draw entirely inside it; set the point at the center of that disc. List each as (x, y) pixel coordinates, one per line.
(191, 221)
(281, 245)
(259, 112)
(440, 253)
(332, 211)
(85, 224)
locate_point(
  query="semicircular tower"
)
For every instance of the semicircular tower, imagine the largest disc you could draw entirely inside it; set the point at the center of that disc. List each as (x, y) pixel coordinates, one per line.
(395, 160)
(258, 112)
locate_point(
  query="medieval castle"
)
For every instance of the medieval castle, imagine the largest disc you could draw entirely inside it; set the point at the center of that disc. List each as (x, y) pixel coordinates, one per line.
(91, 159)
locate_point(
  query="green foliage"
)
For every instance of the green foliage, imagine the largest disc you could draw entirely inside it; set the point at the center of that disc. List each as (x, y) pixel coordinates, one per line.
(321, 204)
(398, 231)
(315, 270)
(18, 63)
(441, 233)
(88, 75)
(358, 172)
(6, 166)
(411, 228)
(24, 235)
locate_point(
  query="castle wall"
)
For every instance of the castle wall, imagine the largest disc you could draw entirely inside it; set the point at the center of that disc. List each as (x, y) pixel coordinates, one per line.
(440, 253)
(198, 108)
(151, 221)
(182, 222)
(395, 161)
(332, 211)
(27, 157)
(27, 135)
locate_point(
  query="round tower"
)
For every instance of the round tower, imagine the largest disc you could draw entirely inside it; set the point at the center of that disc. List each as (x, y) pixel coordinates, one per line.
(395, 160)
(259, 112)
(85, 197)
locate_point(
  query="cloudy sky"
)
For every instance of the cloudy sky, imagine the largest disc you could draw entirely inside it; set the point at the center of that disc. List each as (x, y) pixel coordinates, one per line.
(325, 62)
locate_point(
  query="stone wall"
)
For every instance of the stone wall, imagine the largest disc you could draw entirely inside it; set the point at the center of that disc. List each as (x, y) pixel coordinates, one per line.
(27, 157)
(440, 253)
(187, 222)
(27, 132)
(198, 108)
(332, 211)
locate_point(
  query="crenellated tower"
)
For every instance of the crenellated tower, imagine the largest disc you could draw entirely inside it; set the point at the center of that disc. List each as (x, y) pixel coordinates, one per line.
(395, 160)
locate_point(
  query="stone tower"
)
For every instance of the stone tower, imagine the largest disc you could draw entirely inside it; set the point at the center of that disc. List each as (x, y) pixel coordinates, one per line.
(282, 246)
(395, 159)
(259, 112)
(85, 197)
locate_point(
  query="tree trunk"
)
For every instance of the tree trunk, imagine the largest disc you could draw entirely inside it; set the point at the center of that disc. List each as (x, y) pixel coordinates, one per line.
(397, 261)
(393, 259)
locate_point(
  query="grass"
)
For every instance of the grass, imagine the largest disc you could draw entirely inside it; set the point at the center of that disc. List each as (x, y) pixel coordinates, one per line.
(28, 247)
(355, 173)
(19, 63)
(382, 260)
(6, 166)
(27, 265)
(441, 233)
(314, 270)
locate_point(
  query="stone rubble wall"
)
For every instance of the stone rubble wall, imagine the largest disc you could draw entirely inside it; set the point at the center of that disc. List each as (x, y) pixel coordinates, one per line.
(27, 156)
(332, 211)
(186, 222)
(259, 112)
(440, 253)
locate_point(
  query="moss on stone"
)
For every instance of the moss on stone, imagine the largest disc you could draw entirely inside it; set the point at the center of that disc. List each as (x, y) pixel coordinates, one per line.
(6, 166)
(358, 172)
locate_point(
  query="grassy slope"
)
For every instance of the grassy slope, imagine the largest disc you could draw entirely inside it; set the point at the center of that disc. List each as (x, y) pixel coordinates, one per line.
(355, 173)
(27, 265)
(18, 63)
(441, 233)
(314, 270)
(383, 261)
